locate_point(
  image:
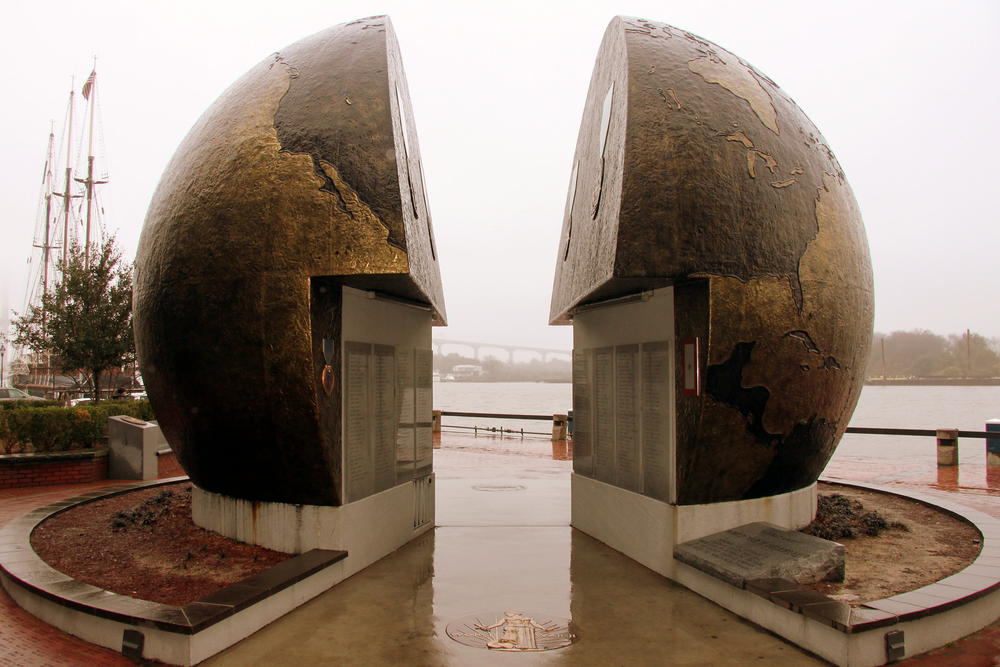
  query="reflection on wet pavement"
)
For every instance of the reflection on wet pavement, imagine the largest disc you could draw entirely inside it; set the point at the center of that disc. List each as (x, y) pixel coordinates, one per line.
(511, 550)
(503, 543)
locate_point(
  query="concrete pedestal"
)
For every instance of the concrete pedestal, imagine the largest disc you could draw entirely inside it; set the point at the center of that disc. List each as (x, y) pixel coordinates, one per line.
(647, 530)
(367, 530)
(133, 444)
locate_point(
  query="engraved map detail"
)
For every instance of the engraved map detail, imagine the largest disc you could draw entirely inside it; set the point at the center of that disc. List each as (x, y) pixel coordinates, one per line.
(740, 82)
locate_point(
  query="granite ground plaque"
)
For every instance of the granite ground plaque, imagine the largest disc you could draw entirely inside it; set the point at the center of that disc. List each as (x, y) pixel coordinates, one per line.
(760, 550)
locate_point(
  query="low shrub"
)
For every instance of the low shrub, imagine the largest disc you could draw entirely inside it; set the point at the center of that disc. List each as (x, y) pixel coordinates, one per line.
(56, 429)
(23, 403)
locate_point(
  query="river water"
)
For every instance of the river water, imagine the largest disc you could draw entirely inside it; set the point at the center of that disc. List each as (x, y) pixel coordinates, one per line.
(966, 408)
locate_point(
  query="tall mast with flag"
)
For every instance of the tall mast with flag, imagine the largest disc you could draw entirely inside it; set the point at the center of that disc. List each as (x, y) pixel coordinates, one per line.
(89, 93)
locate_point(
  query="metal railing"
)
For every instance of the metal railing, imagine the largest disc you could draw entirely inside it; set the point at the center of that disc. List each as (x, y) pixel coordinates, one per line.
(859, 430)
(497, 430)
(495, 415)
(925, 432)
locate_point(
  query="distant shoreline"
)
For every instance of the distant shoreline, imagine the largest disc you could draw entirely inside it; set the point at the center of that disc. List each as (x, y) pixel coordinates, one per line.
(933, 382)
(484, 380)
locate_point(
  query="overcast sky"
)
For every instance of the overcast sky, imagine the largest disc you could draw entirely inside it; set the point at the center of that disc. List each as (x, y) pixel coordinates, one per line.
(906, 94)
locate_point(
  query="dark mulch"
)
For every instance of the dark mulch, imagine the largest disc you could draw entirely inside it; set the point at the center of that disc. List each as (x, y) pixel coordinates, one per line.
(144, 544)
(839, 517)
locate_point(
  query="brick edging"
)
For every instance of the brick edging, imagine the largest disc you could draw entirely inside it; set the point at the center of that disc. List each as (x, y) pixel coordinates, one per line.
(51, 468)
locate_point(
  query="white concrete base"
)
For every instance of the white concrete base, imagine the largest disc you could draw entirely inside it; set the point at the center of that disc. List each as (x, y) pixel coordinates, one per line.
(172, 647)
(647, 530)
(858, 649)
(367, 530)
(862, 649)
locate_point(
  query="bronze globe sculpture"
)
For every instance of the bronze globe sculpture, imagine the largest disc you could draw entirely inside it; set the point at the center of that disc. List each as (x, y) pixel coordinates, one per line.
(303, 177)
(694, 170)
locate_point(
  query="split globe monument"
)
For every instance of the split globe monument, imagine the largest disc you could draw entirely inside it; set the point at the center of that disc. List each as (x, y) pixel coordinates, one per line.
(715, 270)
(291, 239)
(713, 265)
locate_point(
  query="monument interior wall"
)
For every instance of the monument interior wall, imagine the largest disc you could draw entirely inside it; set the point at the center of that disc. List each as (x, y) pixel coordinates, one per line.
(387, 393)
(623, 394)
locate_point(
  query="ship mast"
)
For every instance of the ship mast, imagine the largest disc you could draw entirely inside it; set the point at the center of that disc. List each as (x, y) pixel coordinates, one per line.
(89, 93)
(61, 228)
(46, 245)
(67, 193)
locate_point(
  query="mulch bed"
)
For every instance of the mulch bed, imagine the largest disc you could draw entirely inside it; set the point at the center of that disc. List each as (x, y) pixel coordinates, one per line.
(893, 544)
(144, 544)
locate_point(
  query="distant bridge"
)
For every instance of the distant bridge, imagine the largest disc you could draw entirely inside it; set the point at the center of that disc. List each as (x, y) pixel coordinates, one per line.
(481, 350)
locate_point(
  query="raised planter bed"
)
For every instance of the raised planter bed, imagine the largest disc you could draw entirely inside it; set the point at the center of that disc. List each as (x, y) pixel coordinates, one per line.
(77, 466)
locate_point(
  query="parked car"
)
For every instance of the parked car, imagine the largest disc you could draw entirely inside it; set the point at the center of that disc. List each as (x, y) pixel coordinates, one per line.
(15, 394)
(77, 401)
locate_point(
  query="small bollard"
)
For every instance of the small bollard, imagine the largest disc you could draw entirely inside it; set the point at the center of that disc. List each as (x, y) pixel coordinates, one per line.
(947, 447)
(993, 444)
(558, 427)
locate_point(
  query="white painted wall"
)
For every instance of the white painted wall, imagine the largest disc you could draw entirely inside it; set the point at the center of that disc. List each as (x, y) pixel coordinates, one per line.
(373, 320)
(624, 323)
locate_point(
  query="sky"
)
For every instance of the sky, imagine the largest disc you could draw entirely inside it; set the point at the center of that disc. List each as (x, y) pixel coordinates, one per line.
(905, 93)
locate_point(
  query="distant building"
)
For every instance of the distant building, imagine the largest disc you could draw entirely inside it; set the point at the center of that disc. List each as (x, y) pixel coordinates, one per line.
(466, 372)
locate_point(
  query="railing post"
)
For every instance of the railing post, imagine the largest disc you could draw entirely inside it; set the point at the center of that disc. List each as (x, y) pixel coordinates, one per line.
(993, 444)
(436, 429)
(947, 447)
(560, 446)
(558, 427)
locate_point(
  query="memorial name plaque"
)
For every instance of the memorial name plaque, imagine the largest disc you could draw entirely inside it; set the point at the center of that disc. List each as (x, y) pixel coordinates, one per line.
(424, 392)
(379, 429)
(656, 378)
(424, 464)
(762, 550)
(604, 415)
(358, 464)
(627, 417)
(406, 431)
(384, 416)
(583, 453)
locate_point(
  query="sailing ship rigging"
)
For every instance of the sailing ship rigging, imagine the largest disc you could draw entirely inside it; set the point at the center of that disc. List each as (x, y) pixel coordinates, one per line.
(70, 211)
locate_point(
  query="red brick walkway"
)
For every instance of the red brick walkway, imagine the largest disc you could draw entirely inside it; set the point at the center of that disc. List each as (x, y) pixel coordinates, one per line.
(26, 641)
(979, 650)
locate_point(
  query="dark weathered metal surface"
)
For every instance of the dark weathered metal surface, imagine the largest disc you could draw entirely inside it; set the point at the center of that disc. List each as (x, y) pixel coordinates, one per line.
(303, 176)
(701, 173)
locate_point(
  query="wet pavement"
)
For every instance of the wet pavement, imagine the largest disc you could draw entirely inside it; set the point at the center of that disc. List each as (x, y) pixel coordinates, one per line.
(503, 543)
(971, 484)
